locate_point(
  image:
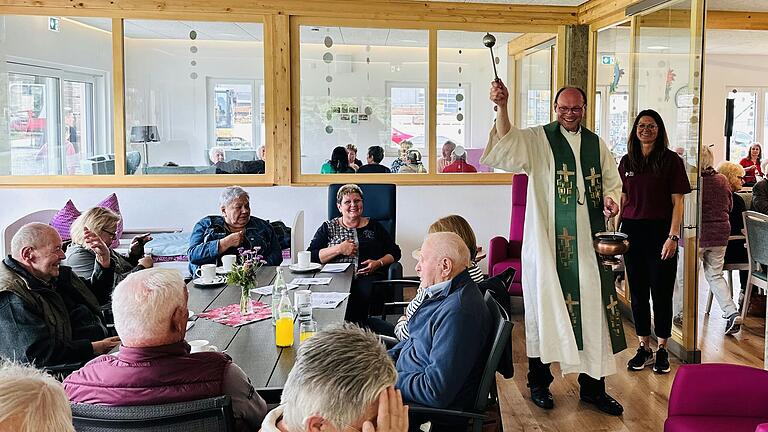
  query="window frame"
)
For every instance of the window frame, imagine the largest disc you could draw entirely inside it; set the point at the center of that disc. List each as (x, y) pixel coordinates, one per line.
(280, 80)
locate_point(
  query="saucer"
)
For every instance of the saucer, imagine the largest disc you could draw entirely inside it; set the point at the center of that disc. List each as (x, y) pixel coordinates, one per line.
(218, 280)
(220, 270)
(312, 267)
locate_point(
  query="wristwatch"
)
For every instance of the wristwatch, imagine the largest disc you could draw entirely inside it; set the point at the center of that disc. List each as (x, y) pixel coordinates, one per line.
(673, 237)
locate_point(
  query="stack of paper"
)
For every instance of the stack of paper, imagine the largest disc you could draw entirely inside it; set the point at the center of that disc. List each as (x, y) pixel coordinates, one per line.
(335, 268)
(311, 281)
(267, 290)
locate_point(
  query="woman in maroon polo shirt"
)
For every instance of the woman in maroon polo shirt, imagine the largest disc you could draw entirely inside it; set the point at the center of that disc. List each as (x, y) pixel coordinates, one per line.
(652, 212)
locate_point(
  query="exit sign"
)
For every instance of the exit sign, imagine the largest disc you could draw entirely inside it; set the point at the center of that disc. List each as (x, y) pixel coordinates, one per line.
(53, 24)
(607, 59)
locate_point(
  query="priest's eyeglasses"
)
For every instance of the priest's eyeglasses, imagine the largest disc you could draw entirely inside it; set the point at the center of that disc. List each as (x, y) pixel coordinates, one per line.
(574, 110)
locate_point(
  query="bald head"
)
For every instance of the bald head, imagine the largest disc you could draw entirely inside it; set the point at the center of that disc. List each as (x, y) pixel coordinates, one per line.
(570, 105)
(443, 256)
(37, 247)
(150, 308)
(33, 235)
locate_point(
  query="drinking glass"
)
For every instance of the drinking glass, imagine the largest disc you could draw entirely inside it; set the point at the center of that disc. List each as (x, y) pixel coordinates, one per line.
(307, 329)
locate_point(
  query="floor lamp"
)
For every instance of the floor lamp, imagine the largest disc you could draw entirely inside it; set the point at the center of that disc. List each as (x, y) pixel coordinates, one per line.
(144, 135)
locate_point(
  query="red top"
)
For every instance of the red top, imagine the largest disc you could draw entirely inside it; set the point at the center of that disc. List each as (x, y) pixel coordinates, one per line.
(649, 194)
(459, 166)
(749, 177)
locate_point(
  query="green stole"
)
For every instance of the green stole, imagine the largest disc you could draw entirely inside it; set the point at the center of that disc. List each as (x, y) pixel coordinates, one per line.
(566, 245)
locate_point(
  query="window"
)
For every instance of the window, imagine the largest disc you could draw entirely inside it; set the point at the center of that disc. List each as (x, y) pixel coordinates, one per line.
(612, 121)
(536, 86)
(744, 123)
(464, 65)
(236, 117)
(58, 101)
(202, 111)
(365, 87)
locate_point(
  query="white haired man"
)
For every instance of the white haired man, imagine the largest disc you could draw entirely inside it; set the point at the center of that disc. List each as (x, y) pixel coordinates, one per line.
(154, 365)
(441, 363)
(342, 380)
(32, 401)
(48, 315)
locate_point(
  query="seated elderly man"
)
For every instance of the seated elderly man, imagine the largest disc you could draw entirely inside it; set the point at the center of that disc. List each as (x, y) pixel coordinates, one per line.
(441, 363)
(32, 401)
(154, 365)
(48, 315)
(216, 236)
(459, 162)
(342, 380)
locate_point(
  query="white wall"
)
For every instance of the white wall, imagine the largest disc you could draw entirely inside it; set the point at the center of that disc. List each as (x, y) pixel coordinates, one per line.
(487, 208)
(721, 71)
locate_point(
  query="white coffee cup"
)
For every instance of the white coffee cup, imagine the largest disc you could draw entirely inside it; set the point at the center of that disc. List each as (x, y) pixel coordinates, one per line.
(201, 345)
(206, 272)
(303, 259)
(227, 261)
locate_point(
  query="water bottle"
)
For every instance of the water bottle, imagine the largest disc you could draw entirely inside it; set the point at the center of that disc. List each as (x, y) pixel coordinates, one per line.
(284, 325)
(278, 289)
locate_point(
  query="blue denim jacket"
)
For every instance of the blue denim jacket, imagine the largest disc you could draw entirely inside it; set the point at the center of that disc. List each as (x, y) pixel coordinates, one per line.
(204, 241)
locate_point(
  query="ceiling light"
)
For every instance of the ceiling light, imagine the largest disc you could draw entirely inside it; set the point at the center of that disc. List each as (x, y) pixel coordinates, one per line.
(658, 47)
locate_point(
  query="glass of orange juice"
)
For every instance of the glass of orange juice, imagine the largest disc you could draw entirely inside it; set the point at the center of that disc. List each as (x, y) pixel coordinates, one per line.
(307, 329)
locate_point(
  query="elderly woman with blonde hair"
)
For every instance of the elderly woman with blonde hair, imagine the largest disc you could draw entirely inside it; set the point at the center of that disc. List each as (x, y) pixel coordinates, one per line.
(104, 222)
(736, 252)
(31, 401)
(716, 206)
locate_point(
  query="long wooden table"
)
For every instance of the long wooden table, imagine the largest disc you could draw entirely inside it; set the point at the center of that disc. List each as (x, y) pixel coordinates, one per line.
(252, 346)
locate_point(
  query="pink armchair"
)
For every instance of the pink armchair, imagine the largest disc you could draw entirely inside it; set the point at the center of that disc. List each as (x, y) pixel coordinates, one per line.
(718, 397)
(504, 253)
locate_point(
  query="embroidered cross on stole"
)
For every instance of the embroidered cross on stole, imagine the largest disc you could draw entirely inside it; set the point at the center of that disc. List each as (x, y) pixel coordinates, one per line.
(566, 243)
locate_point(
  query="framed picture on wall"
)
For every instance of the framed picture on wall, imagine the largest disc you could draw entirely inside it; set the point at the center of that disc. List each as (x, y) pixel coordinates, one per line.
(344, 108)
(362, 117)
(353, 119)
(353, 109)
(344, 117)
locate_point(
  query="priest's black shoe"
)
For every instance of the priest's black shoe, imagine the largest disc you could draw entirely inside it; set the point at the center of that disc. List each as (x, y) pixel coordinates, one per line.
(604, 403)
(542, 397)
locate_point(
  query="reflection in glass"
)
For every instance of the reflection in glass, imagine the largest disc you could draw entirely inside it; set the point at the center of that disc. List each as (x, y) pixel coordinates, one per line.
(201, 84)
(464, 113)
(362, 86)
(58, 116)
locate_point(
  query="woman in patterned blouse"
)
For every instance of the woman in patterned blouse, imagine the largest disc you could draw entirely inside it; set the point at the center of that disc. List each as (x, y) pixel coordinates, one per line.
(358, 240)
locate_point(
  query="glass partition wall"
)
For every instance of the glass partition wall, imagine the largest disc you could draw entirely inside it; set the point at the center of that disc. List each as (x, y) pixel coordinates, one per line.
(654, 61)
(56, 97)
(194, 97)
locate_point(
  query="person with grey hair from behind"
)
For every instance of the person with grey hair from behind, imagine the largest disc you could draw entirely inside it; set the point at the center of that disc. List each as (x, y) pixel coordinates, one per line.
(32, 401)
(218, 235)
(49, 315)
(342, 380)
(155, 365)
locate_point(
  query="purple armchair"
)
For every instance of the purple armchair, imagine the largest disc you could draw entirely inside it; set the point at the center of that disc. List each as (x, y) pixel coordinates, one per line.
(718, 397)
(505, 253)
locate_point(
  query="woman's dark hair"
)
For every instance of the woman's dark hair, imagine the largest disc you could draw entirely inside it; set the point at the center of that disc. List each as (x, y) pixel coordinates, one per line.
(639, 163)
(339, 161)
(759, 155)
(376, 153)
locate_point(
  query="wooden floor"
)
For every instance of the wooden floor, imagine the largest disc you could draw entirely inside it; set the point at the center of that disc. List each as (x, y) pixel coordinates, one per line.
(644, 394)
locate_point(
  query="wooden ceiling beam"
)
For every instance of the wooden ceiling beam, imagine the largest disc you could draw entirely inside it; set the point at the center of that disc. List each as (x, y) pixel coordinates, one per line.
(521, 43)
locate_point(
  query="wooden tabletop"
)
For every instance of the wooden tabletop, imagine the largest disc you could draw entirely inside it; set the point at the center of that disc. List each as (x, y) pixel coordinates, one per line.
(252, 346)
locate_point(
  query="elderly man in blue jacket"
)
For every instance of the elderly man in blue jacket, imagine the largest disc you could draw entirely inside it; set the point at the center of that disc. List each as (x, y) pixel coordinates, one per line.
(441, 364)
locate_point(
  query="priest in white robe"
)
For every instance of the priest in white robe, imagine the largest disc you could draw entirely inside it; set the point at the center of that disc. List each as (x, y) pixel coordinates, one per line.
(582, 331)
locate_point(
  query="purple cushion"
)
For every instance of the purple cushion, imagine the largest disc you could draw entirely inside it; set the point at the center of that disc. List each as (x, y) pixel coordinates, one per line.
(711, 424)
(111, 203)
(63, 219)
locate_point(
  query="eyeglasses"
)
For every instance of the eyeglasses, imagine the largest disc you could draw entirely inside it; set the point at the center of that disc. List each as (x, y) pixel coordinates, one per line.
(649, 127)
(109, 233)
(566, 110)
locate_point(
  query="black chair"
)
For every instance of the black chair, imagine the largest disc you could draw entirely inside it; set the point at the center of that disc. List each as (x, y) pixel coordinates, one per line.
(486, 393)
(205, 415)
